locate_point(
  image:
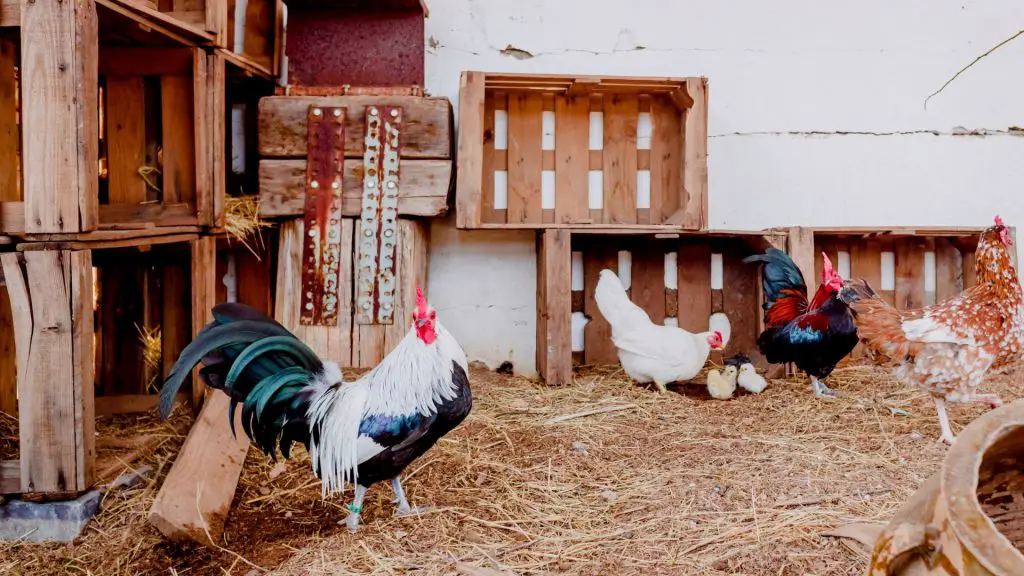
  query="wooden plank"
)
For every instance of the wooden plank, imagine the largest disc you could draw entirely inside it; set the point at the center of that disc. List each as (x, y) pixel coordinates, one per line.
(909, 274)
(524, 157)
(10, 165)
(126, 139)
(217, 98)
(949, 279)
(121, 371)
(60, 148)
(176, 329)
(196, 496)
(204, 294)
(78, 266)
(648, 284)
(620, 118)
(801, 250)
(866, 261)
(8, 358)
(202, 138)
(970, 272)
(695, 156)
(694, 281)
(572, 159)
(411, 265)
(739, 301)
(254, 282)
(666, 160)
(10, 13)
(118, 61)
(10, 477)
(487, 211)
(554, 307)
(597, 255)
(426, 131)
(179, 144)
(424, 189)
(333, 342)
(134, 403)
(131, 243)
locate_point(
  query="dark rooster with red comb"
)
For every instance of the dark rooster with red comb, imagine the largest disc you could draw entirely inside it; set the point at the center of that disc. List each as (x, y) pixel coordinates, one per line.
(815, 335)
(361, 432)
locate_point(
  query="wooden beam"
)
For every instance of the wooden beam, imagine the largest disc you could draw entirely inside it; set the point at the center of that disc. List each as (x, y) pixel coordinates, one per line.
(423, 191)
(133, 403)
(59, 85)
(52, 296)
(554, 307)
(153, 20)
(695, 156)
(469, 192)
(216, 96)
(801, 250)
(196, 496)
(204, 298)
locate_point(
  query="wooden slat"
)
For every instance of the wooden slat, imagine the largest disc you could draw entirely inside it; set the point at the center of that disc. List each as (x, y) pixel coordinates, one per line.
(488, 214)
(949, 280)
(78, 268)
(195, 498)
(8, 358)
(694, 282)
(176, 328)
(121, 371)
(801, 250)
(554, 307)
(666, 160)
(426, 132)
(469, 195)
(909, 274)
(133, 403)
(411, 262)
(204, 293)
(10, 185)
(695, 156)
(970, 275)
(424, 189)
(866, 261)
(179, 139)
(10, 476)
(597, 335)
(10, 13)
(202, 134)
(739, 300)
(524, 158)
(333, 342)
(58, 113)
(217, 88)
(254, 281)
(131, 62)
(620, 118)
(572, 159)
(648, 284)
(126, 139)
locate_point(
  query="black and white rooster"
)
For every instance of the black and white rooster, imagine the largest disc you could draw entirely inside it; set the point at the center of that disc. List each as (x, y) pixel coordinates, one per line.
(360, 432)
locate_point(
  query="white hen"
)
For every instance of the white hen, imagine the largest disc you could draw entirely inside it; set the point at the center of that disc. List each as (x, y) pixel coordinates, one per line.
(649, 352)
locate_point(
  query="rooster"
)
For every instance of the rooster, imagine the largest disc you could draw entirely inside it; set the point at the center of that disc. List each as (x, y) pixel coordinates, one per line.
(814, 335)
(649, 352)
(948, 348)
(361, 432)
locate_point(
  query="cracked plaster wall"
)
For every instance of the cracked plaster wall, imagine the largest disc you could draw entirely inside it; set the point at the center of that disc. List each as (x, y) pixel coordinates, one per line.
(816, 118)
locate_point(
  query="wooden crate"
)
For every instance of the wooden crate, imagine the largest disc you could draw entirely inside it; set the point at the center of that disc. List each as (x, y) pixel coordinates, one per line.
(255, 35)
(425, 154)
(349, 343)
(705, 275)
(539, 151)
(72, 347)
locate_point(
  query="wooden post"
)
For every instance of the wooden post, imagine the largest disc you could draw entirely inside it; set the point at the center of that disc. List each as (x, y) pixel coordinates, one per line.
(52, 294)
(59, 120)
(10, 191)
(469, 203)
(801, 250)
(204, 295)
(554, 306)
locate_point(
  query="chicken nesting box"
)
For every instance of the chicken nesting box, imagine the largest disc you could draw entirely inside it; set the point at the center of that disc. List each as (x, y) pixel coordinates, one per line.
(966, 519)
(347, 174)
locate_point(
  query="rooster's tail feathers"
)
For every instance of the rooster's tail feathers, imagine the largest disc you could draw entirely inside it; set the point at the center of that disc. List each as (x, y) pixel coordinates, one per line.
(259, 364)
(615, 305)
(778, 274)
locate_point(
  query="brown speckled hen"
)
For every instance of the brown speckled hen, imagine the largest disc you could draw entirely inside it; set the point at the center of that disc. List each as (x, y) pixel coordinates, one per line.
(949, 348)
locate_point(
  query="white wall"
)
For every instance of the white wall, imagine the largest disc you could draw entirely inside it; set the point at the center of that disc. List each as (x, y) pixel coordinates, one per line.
(816, 110)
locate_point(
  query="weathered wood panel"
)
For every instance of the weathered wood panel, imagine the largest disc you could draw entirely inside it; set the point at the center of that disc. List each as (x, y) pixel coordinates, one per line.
(598, 254)
(619, 157)
(524, 158)
(554, 307)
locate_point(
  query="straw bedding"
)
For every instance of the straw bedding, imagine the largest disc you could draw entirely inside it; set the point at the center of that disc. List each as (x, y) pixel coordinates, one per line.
(599, 478)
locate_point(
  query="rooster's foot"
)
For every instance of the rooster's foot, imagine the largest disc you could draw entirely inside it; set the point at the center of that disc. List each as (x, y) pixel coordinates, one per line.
(991, 399)
(821, 390)
(408, 510)
(355, 508)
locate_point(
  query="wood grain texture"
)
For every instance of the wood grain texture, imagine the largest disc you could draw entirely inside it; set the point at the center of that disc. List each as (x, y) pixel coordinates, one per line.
(666, 158)
(333, 342)
(121, 310)
(739, 301)
(423, 191)
(176, 328)
(126, 139)
(204, 294)
(694, 280)
(179, 139)
(949, 278)
(59, 122)
(78, 267)
(426, 131)
(10, 157)
(909, 273)
(648, 285)
(487, 211)
(196, 495)
(411, 265)
(554, 307)
(695, 155)
(8, 357)
(619, 157)
(598, 254)
(801, 250)
(572, 159)
(524, 158)
(469, 192)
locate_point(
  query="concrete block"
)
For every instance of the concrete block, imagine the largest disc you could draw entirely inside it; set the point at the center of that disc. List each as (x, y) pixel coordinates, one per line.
(48, 521)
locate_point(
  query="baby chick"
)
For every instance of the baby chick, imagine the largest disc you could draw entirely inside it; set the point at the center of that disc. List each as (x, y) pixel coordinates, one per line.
(750, 380)
(721, 385)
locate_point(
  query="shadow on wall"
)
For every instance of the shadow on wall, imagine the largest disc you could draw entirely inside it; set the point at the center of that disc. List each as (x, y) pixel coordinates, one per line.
(484, 287)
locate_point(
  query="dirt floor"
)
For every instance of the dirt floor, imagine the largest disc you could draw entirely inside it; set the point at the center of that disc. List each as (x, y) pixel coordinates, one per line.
(599, 478)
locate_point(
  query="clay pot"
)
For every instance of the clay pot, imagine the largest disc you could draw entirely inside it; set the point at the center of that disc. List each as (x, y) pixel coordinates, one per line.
(967, 519)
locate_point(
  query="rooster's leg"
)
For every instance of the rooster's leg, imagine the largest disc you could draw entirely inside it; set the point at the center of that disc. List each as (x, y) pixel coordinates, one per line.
(355, 508)
(403, 505)
(820, 390)
(947, 432)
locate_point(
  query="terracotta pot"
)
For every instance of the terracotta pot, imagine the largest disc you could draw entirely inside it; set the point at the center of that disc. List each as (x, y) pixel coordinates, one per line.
(967, 519)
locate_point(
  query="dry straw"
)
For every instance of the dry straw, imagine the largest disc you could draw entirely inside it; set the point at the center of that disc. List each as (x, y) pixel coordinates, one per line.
(242, 221)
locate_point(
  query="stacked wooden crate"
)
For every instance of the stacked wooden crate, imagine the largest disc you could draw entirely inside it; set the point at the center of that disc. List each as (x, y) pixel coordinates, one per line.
(113, 178)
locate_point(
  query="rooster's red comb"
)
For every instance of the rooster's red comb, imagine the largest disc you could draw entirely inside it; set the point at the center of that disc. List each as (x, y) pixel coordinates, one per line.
(421, 302)
(827, 272)
(999, 221)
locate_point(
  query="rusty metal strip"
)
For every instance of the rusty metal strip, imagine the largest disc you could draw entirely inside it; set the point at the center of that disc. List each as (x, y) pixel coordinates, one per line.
(378, 236)
(321, 248)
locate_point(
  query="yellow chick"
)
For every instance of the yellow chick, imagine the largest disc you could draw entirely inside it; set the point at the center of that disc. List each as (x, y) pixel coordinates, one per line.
(721, 385)
(750, 380)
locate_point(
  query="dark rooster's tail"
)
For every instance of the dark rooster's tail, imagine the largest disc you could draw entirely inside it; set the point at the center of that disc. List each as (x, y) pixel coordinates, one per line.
(258, 363)
(785, 293)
